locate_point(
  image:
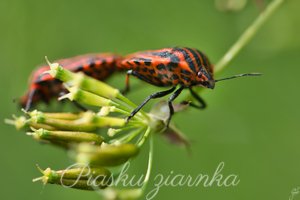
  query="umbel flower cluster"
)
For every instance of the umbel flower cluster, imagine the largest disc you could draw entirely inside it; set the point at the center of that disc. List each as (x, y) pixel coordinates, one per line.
(78, 133)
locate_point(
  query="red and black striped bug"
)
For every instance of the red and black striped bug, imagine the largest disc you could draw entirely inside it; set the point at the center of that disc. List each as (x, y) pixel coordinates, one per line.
(172, 67)
(43, 87)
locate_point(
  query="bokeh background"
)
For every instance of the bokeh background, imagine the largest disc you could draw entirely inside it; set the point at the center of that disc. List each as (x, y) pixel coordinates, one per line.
(252, 124)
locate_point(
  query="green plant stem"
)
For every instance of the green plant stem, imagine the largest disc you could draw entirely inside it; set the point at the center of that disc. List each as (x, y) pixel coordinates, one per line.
(126, 105)
(128, 137)
(144, 137)
(247, 35)
(150, 162)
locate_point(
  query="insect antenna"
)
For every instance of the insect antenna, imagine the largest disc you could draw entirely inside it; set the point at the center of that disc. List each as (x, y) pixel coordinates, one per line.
(238, 75)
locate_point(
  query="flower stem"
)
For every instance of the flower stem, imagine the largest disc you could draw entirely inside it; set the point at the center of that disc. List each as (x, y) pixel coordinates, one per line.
(150, 162)
(127, 138)
(247, 35)
(144, 137)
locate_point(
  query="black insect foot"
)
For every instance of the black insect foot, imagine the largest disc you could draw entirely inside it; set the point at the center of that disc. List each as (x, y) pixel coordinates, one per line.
(168, 123)
(128, 118)
(124, 91)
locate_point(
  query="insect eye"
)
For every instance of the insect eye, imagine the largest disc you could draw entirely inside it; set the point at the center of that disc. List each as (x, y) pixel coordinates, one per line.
(199, 74)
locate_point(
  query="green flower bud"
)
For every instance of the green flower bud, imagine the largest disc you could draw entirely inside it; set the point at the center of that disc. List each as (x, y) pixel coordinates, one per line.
(66, 136)
(105, 110)
(81, 124)
(18, 122)
(122, 194)
(82, 177)
(94, 86)
(108, 121)
(43, 126)
(23, 123)
(86, 97)
(36, 116)
(82, 81)
(106, 155)
(84, 171)
(76, 125)
(59, 72)
(112, 132)
(66, 116)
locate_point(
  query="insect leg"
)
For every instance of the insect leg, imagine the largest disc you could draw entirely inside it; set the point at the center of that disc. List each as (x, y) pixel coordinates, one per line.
(152, 96)
(29, 99)
(127, 85)
(201, 102)
(136, 74)
(172, 98)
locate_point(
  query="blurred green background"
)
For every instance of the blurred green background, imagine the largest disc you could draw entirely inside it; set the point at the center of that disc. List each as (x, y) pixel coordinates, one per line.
(252, 124)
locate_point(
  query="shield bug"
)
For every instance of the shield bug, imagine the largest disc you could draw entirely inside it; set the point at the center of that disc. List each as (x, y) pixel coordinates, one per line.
(178, 68)
(43, 87)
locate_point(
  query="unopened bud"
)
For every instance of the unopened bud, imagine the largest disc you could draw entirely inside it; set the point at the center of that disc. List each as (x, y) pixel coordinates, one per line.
(66, 136)
(82, 177)
(85, 97)
(106, 155)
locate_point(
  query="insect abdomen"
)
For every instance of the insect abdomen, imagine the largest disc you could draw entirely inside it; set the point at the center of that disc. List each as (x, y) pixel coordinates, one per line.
(98, 66)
